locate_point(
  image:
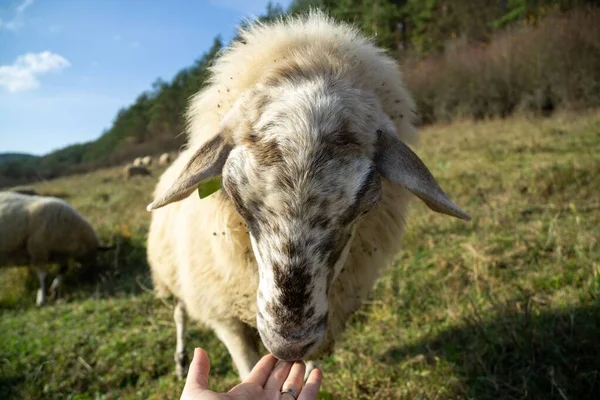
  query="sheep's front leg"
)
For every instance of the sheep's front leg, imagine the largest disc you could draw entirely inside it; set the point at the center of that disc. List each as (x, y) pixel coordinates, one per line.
(41, 293)
(241, 341)
(181, 360)
(57, 283)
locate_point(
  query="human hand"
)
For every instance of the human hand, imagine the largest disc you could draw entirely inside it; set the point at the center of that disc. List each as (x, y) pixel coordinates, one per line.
(265, 382)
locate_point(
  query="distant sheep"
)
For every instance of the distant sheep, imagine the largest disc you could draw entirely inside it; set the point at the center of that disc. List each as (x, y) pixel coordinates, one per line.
(36, 231)
(135, 170)
(138, 161)
(164, 159)
(147, 161)
(305, 123)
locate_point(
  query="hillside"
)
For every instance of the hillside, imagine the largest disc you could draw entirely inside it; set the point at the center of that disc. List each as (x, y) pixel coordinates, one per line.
(505, 306)
(5, 157)
(15, 166)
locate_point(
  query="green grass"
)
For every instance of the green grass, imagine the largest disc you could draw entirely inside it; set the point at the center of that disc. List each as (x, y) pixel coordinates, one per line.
(504, 307)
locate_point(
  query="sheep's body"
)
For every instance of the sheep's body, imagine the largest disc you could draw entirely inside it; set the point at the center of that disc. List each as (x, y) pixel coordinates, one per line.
(164, 159)
(135, 170)
(147, 161)
(138, 161)
(36, 231)
(200, 250)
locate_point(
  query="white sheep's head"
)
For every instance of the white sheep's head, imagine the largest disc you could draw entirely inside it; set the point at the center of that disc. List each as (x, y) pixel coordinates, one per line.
(302, 162)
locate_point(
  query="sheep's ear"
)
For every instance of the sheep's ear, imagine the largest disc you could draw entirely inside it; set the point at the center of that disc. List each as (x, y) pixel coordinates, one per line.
(206, 163)
(398, 163)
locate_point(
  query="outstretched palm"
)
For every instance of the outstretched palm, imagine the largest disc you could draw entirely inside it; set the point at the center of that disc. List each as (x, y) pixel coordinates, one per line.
(264, 382)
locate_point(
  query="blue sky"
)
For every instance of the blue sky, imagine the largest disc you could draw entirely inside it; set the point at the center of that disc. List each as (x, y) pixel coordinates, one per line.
(67, 66)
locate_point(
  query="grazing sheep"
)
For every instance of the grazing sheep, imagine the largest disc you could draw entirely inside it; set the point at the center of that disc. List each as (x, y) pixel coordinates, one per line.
(138, 161)
(147, 161)
(135, 170)
(164, 159)
(306, 122)
(36, 231)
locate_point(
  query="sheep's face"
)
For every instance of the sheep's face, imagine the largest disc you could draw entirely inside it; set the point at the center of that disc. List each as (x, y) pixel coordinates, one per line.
(301, 175)
(302, 163)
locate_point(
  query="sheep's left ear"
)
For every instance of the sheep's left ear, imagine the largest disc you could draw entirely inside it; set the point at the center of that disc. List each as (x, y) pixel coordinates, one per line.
(206, 163)
(398, 163)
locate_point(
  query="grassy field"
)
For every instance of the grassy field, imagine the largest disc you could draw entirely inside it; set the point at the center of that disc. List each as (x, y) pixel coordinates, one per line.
(504, 307)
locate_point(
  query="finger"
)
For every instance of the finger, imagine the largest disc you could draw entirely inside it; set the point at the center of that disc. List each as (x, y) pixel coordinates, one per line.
(312, 386)
(293, 383)
(278, 376)
(197, 377)
(261, 371)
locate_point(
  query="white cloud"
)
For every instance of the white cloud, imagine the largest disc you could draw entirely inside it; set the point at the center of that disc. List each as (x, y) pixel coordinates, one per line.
(23, 73)
(17, 21)
(11, 25)
(23, 6)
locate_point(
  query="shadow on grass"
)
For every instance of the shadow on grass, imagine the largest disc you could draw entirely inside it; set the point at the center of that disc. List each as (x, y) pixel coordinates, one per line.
(123, 271)
(9, 386)
(549, 355)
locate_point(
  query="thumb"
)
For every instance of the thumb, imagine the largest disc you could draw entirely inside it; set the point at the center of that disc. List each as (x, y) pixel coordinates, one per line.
(197, 377)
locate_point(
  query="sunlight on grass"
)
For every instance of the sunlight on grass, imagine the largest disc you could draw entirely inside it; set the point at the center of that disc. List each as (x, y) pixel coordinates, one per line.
(503, 307)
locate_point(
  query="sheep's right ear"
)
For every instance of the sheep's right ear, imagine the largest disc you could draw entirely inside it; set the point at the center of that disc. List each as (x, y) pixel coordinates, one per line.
(206, 163)
(398, 163)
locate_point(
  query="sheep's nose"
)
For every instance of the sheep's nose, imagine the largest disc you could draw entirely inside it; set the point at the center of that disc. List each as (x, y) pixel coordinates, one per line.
(295, 346)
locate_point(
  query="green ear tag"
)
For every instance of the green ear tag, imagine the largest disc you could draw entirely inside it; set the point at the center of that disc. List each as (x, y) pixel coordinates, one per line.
(208, 187)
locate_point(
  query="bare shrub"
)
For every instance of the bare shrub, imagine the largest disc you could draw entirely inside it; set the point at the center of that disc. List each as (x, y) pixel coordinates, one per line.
(533, 69)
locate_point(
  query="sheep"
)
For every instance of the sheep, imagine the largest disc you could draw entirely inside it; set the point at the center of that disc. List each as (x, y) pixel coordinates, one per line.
(306, 124)
(164, 159)
(38, 230)
(131, 170)
(138, 161)
(147, 161)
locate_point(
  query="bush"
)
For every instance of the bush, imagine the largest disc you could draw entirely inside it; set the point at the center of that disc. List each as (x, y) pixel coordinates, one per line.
(534, 69)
